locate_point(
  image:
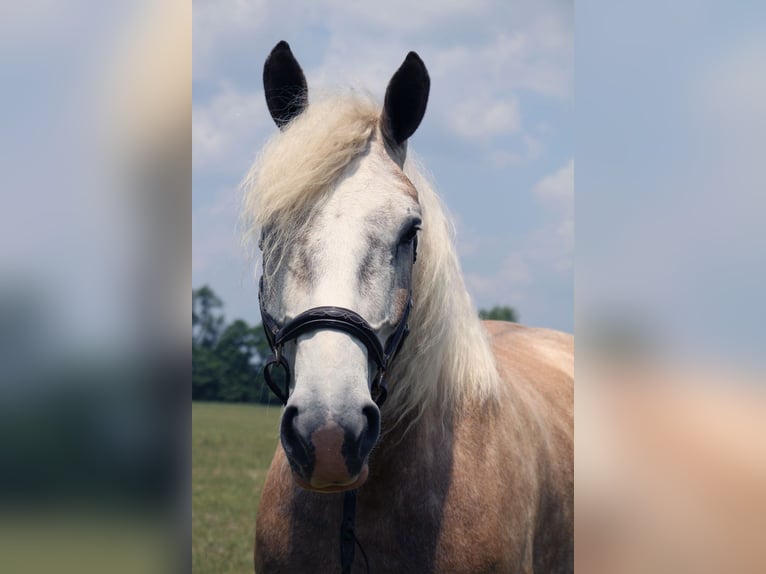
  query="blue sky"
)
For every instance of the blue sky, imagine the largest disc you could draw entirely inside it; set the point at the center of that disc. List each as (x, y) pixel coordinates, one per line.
(497, 136)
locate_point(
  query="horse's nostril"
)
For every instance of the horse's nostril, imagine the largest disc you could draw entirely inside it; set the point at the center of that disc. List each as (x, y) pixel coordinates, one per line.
(291, 438)
(371, 431)
(372, 414)
(287, 419)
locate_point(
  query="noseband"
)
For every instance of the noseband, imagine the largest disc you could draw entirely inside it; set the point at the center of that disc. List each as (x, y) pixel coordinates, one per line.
(336, 319)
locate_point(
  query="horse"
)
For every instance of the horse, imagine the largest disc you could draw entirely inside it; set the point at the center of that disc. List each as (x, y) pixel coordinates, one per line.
(432, 441)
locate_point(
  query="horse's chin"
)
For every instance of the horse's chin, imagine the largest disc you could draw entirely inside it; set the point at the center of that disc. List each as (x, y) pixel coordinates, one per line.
(314, 486)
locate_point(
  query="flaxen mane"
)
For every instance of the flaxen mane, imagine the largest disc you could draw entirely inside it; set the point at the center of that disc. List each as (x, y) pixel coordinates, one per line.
(447, 358)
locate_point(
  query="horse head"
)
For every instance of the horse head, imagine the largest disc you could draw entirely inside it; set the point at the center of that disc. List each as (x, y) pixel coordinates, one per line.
(337, 266)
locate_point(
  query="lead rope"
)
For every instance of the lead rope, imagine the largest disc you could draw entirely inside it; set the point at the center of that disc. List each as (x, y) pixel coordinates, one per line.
(348, 540)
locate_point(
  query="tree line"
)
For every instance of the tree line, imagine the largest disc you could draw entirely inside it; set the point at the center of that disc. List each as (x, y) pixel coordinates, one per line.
(228, 359)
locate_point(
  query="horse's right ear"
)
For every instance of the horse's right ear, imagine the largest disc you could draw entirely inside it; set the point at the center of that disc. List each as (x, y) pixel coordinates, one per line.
(406, 99)
(284, 85)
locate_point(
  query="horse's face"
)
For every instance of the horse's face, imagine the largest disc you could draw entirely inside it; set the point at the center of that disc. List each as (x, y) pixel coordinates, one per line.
(355, 249)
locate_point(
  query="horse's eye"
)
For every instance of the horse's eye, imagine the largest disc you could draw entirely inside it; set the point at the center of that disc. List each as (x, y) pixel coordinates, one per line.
(410, 233)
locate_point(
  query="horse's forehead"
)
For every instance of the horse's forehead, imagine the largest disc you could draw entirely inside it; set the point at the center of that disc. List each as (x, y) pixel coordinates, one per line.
(367, 203)
(405, 185)
(376, 185)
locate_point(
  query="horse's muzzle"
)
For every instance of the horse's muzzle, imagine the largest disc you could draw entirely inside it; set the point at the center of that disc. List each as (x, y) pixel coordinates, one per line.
(329, 456)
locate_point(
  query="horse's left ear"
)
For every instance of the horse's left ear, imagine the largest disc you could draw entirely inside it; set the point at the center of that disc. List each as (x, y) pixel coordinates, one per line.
(284, 85)
(406, 99)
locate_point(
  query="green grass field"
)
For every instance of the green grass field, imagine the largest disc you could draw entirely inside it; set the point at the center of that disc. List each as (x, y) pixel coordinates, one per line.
(232, 447)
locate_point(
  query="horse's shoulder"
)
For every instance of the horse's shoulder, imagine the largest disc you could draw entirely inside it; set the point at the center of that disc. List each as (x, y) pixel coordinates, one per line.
(516, 343)
(537, 364)
(536, 367)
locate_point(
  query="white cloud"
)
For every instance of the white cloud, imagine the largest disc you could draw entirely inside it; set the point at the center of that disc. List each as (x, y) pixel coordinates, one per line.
(558, 188)
(556, 191)
(219, 24)
(542, 257)
(408, 16)
(526, 59)
(480, 83)
(475, 119)
(512, 283)
(226, 130)
(515, 271)
(532, 150)
(216, 241)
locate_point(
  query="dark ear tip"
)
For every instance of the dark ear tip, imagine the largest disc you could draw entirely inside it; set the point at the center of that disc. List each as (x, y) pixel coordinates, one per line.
(412, 57)
(284, 85)
(281, 47)
(413, 63)
(406, 99)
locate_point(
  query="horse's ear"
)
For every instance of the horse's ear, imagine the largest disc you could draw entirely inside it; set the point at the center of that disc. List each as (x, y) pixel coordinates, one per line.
(406, 99)
(284, 85)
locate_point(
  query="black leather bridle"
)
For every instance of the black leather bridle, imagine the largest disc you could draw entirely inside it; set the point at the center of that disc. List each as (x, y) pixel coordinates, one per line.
(337, 319)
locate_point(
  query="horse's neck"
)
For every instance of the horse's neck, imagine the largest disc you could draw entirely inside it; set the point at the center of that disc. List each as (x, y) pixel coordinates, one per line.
(415, 442)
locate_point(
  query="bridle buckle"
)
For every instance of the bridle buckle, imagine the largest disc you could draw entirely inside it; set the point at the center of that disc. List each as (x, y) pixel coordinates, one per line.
(378, 389)
(277, 360)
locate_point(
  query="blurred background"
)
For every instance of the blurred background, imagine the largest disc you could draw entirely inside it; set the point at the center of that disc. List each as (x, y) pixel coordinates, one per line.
(670, 271)
(95, 177)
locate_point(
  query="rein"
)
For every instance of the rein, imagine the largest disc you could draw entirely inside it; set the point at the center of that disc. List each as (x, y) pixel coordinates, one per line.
(348, 540)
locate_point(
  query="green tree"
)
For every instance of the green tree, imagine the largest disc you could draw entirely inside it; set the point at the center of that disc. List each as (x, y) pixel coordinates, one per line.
(207, 317)
(206, 374)
(207, 321)
(500, 314)
(240, 351)
(227, 360)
